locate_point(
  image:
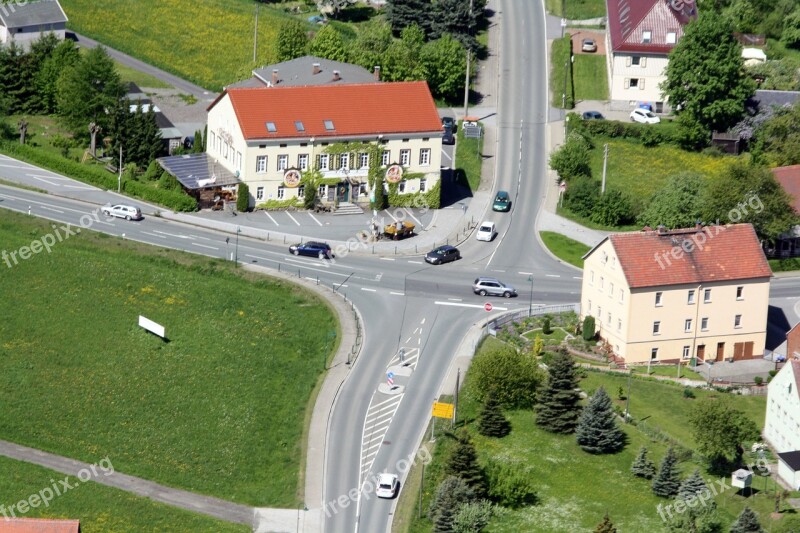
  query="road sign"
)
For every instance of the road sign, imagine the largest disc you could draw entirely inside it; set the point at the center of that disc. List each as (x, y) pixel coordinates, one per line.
(390, 378)
(442, 410)
(562, 186)
(487, 306)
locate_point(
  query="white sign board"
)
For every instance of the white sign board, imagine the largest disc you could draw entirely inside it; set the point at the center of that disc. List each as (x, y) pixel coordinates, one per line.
(151, 326)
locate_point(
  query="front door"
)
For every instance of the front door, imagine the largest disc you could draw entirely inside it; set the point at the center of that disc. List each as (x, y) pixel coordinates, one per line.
(720, 351)
(343, 191)
(701, 353)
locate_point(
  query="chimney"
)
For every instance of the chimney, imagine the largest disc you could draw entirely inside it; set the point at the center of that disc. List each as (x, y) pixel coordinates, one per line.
(377, 73)
(275, 76)
(698, 226)
(336, 76)
(661, 229)
(315, 69)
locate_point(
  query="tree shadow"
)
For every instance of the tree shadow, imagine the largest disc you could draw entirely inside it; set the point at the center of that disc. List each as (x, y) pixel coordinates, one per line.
(356, 13)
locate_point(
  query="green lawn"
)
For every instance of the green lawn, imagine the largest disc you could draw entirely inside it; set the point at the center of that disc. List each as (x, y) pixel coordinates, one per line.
(668, 371)
(577, 9)
(219, 409)
(128, 74)
(557, 335)
(591, 79)
(469, 159)
(42, 131)
(564, 248)
(100, 508)
(561, 82)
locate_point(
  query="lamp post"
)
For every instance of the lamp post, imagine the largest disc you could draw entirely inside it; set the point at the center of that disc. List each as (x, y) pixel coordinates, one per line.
(530, 301)
(238, 231)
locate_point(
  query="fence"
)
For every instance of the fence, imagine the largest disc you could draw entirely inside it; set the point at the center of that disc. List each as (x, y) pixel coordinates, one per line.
(497, 323)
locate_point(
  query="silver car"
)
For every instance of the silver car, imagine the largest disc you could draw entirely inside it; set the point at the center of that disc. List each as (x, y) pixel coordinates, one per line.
(493, 287)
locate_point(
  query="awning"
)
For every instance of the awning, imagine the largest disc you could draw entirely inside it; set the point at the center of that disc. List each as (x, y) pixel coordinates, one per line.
(198, 171)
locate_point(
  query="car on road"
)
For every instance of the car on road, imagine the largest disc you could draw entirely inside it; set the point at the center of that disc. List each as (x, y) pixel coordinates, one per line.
(644, 116)
(593, 115)
(502, 202)
(589, 45)
(449, 122)
(442, 254)
(128, 212)
(320, 250)
(492, 287)
(388, 485)
(448, 137)
(486, 232)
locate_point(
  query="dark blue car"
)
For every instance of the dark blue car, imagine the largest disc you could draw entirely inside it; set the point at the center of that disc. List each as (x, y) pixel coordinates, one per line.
(313, 249)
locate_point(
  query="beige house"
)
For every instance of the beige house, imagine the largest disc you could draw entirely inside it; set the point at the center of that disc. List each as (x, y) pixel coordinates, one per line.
(640, 35)
(269, 137)
(668, 296)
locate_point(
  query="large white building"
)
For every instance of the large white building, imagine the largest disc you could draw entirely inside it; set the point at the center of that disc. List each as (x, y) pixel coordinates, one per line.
(782, 424)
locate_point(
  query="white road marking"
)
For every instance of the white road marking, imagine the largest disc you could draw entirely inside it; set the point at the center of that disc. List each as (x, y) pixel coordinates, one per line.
(290, 216)
(205, 246)
(52, 209)
(455, 299)
(423, 321)
(552, 275)
(577, 277)
(416, 262)
(397, 293)
(526, 273)
(386, 258)
(272, 219)
(410, 214)
(391, 215)
(315, 219)
(368, 290)
(172, 234)
(153, 235)
(475, 306)
(498, 270)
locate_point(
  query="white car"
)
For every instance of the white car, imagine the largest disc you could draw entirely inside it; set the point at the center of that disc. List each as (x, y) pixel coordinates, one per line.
(486, 232)
(387, 486)
(128, 212)
(644, 116)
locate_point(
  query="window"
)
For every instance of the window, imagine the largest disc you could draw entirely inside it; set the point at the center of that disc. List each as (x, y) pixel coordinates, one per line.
(739, 291)
(672, 37)
(599, 314)
(690, 297)
(422, 184)
(425, 157)
(302, 162)
(656, 327)
(619, 324)
(635, 61)
(363, 160)
(687, 325)
(653, 353)
(737, 321)
(301, 191)
(704, 324)
(608, 319)
(621, 295)
(591, 277)
(610, 290)
(259, 193)
(401, 187)
(385, 158)
(283, 162)
(213, 141)
(261, 164)
(647, 36)
(405, 157)
(344, 161)
(281, 192)
(321, 191)
(707, 296)
(239, 160)
(659, 299)
(324, 162)
(601, 282)
(686, 352)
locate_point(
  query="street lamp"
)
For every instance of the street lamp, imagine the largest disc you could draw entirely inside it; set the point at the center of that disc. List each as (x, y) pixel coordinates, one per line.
(530, 301)
(238, 231)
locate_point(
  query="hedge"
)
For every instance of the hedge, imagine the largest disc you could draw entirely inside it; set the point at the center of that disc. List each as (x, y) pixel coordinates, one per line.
(647, 134)
(430, 199)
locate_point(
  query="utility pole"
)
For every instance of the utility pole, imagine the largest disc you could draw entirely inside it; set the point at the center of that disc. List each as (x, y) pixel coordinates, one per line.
(605, 166)
(119, 177)
(455, 396)
(255, 36)
(469, 59)
(628, 397)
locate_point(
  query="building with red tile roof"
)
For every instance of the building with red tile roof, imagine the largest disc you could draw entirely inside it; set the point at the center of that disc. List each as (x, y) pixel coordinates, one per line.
(673, 295)
(640, 35)
(38, 525)
(271, 137)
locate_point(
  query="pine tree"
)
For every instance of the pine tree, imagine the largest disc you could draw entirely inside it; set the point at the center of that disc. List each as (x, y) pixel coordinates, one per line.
(667, 482)
(642, 466)
(463, 463)
(597, 430)
(692, 486)
(606, 526)
(747, 522)
(559, 401)
(492, 422)
(292, 40)
(451, 493)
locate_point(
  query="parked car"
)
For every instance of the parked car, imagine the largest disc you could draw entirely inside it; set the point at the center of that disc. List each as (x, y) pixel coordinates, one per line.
(320, 250)
(644, 116)
(492, 287)
(449, 122)
(448, 137)
(593, 115)
(442, 254)
(128, 212)
(388, 485)
(589, 45)
(486, 232)
(502, 202)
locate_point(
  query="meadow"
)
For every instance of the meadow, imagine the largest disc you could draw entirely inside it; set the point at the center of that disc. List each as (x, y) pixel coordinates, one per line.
(219, 409)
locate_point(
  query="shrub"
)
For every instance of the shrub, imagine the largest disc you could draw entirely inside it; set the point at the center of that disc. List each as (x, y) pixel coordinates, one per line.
(588, 328)
(759, 380)
(472, 517)
(546, 329)
(581, 196)
(175, 200)
(512, 376)
(571, 160)
(510, 485)
(451, 493)
(243, 198)
(612, 209)
(688, 393)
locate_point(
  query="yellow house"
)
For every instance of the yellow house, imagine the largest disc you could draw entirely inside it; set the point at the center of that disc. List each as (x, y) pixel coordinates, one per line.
(668, 296)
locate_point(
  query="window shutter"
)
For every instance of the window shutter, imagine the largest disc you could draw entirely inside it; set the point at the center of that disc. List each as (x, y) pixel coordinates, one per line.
(628, 61)
(643, 62)
(627, 83)
(641, 84)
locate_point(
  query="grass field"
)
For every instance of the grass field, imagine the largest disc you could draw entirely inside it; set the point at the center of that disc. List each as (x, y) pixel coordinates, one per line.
(217, 410)
(42, 131)
(669, 371)
(591, 79)
(564, 248)
(468, 159)
(577, 9)
(561, 83)
(556, 336)
(99, 508)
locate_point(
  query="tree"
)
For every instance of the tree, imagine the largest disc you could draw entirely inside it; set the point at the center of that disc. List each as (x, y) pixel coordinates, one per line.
(404, 13)
(198, 146)
(463, 463)
(63, 57)
(292, 40)
(692, 486)
(12, 79)
(243, 198)
(606, 526)
(612, 208)
(402, 60)
(87, 90)
(472, 517)
(777, 141)
(678, 204)
(371, 43)
(719, 430)
(667, 482)
(588, 328)
(559, 400)
(747, 522)
(705, 77)
(643, 466)
(451, 493)
(327, 43)
(455, 18)
(492, 422)
(511, 375)
(511, 485)
(791, 29)
(571, 160)
(445, 62)
(597, 430)
(581, 196)
(336, 5)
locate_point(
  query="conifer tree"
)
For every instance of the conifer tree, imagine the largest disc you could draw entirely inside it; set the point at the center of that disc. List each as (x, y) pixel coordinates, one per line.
(606, 526)
(492, 422)
(597, 430)
(463, 463)
(747, 522)
(692, 486)
(667, 482)
(559, 401)
(451, 493)
(642, 466)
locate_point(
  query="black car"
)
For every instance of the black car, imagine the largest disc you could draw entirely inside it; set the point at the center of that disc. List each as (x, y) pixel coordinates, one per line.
(593, 115)
(442, 254)
(449, 122)
(314, 249)
(448, 137)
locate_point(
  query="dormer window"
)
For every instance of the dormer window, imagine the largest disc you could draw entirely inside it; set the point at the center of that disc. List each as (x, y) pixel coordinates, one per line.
(647, 36)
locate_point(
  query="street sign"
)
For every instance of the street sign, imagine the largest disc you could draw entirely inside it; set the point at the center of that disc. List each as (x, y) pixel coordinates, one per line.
(390, 379)
(442, 410)
(487, 306)
(562, 186)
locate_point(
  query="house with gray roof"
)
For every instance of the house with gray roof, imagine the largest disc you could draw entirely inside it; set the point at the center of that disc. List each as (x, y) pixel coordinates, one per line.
(23, 22)
(308, 70)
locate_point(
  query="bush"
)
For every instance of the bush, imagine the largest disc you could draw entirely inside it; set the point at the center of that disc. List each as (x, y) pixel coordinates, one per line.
(546, 329)
(581, 196)
(243, 198)
(571, 160)
(510, 485)
(588, 328)
(512, 376)
(612, 209)
(177, 201)
(472, 517)
(759, 380)
(688, 393)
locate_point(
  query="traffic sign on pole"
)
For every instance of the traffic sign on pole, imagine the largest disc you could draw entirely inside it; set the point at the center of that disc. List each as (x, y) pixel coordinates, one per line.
(390, 379)
(487, 306)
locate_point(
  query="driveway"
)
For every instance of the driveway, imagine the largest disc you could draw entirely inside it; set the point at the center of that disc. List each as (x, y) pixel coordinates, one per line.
(579, 34)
